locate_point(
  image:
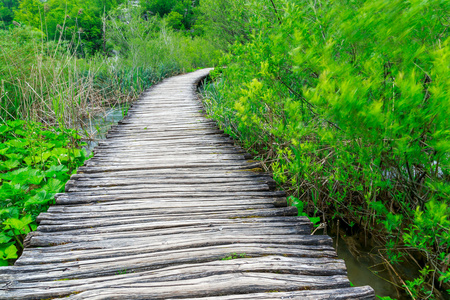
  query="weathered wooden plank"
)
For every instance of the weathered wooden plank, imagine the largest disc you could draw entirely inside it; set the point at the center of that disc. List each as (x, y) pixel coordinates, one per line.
(144, 250)
(133, 223)
(216, 285)
(162, 203)
(72, 198)
(196, 212)
(119, 181)
(355, 293)
(194, 240)
(172, 274)
(282, 264)
(41, 239)
(158, 188)
(174, 173)
(209, 165)
(181, 156)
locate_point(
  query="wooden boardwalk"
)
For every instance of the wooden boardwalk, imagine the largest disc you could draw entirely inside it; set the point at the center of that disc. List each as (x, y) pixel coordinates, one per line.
(169, 208)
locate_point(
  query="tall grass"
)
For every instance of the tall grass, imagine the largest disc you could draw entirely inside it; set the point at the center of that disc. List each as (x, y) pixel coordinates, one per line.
(46, 81)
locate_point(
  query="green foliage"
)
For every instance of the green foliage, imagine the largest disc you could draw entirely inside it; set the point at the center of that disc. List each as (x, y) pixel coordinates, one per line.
(301, 206)
(35, 163)
(349, 100)
(7, 8)
(175, 20)
(181, 13)
(159, 7)
(228, 21)
(76, 22)
(49, 84)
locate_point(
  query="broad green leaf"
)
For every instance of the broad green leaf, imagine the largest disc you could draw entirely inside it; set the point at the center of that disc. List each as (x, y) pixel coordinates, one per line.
(54, 186)
(11, 164)
(4, 238)
(39, 199)
(10, 212)
(17, 143)
(314, 220)
(14, 156)
(54, 170)
(13, 223)
(4, 150)
(10, 252)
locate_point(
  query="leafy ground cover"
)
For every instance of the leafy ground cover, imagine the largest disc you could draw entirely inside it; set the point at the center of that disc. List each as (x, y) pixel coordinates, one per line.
(35, 163)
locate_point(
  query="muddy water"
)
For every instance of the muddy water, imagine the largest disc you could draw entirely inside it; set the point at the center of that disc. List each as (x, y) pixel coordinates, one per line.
(360, 273)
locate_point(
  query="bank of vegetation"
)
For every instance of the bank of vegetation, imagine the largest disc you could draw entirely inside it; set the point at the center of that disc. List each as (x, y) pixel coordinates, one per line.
(346, 102)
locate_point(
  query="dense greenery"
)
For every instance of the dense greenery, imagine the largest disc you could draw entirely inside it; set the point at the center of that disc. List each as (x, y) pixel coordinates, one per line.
(7, 8)
(345, 100)
(349, 102)
(35, 163)
(77, 22)
(181, 14)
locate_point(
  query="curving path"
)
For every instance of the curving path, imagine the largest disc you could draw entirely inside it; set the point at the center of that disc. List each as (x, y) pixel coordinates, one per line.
(170, 208)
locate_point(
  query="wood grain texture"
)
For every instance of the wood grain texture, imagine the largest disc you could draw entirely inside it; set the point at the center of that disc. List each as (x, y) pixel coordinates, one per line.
(170, 208)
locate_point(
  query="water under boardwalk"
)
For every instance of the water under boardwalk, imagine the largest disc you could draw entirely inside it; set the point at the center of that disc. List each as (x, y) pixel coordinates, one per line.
(169, 208)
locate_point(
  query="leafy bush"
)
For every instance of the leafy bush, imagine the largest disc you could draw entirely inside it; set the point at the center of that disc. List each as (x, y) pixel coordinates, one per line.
(348, 100)
(35, 163)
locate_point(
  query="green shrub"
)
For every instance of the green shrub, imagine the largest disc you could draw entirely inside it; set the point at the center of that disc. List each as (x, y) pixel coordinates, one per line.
(350, 102)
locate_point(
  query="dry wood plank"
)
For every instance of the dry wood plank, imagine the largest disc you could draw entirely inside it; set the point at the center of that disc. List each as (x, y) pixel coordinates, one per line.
(355, 293)
(162, 203)
(281, 264)
(205, 213)
(217, 285)
(118, 181)
(194, 240)
(158, 188)
(47, 239)
(58, 288)
(209, 165)
(72, 199)
(175, 173)
(145, 249)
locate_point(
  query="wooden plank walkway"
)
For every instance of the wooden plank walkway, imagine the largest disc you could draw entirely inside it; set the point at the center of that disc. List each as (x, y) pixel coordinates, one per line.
(169, 208)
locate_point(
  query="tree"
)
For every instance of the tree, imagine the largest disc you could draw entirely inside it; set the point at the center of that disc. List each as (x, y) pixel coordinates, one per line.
(7, 11)
(173, 9)
(74, 21)
(159, 7)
